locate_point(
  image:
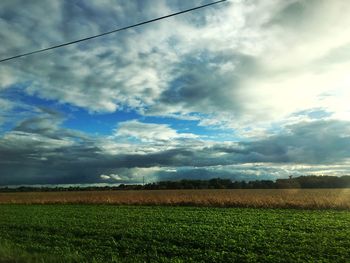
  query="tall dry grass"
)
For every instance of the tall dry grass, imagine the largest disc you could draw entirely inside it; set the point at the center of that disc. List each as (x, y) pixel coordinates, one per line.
(267, 198)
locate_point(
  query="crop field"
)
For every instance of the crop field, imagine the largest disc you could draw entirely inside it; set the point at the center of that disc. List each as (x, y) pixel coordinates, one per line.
(109, 233)
(268, 198)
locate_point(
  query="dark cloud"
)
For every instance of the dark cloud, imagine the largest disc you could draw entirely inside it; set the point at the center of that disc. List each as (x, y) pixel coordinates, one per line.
(38, 154)
(324, 141)
(314, 113)
(208, 83)
(292, 14)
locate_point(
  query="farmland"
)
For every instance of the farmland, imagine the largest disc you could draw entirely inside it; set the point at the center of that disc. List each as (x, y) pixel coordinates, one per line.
(109, 233)
(254, 198)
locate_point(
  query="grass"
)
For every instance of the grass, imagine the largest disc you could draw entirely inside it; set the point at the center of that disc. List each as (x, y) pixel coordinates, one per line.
(107, 233)
(269, 198)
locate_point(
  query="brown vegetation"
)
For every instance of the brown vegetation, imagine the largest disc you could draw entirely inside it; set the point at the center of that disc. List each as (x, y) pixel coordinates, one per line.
(267, 198)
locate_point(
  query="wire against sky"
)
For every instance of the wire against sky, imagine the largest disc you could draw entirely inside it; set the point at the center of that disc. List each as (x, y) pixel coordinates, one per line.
(110, 32)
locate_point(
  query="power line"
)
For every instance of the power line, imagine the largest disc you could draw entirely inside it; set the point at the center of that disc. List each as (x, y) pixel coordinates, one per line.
(110, 32)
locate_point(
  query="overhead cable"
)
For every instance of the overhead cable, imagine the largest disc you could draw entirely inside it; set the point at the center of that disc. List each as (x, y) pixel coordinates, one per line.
(110, 32)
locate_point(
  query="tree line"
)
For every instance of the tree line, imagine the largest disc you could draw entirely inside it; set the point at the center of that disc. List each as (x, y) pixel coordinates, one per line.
(218, 183)
(311, 181)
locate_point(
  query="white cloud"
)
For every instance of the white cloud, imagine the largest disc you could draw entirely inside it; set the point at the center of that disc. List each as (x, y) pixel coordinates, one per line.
(149, 132)
(111, 176)
(249, 62)
(105, 177)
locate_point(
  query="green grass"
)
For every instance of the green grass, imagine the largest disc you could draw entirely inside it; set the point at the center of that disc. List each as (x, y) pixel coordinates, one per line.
(102, 233)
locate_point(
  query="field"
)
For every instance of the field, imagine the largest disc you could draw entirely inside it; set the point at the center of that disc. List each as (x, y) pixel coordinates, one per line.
(269, 198)
(108, 233)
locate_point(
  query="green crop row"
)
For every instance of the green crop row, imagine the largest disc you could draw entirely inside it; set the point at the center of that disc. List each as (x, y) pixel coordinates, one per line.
(102, 233)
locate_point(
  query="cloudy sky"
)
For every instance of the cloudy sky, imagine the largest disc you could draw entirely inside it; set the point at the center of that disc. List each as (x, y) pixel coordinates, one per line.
(242, 90)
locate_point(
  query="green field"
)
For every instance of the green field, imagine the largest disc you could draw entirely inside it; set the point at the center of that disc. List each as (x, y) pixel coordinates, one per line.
(106, 233)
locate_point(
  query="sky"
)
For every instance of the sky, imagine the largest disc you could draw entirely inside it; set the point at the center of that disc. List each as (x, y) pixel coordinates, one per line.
(244, 89)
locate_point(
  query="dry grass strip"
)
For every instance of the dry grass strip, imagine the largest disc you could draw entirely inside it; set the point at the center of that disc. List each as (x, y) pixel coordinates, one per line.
(267, 198)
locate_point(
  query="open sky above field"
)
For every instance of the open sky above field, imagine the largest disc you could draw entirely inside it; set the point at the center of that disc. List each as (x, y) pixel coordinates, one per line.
(242, 90)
